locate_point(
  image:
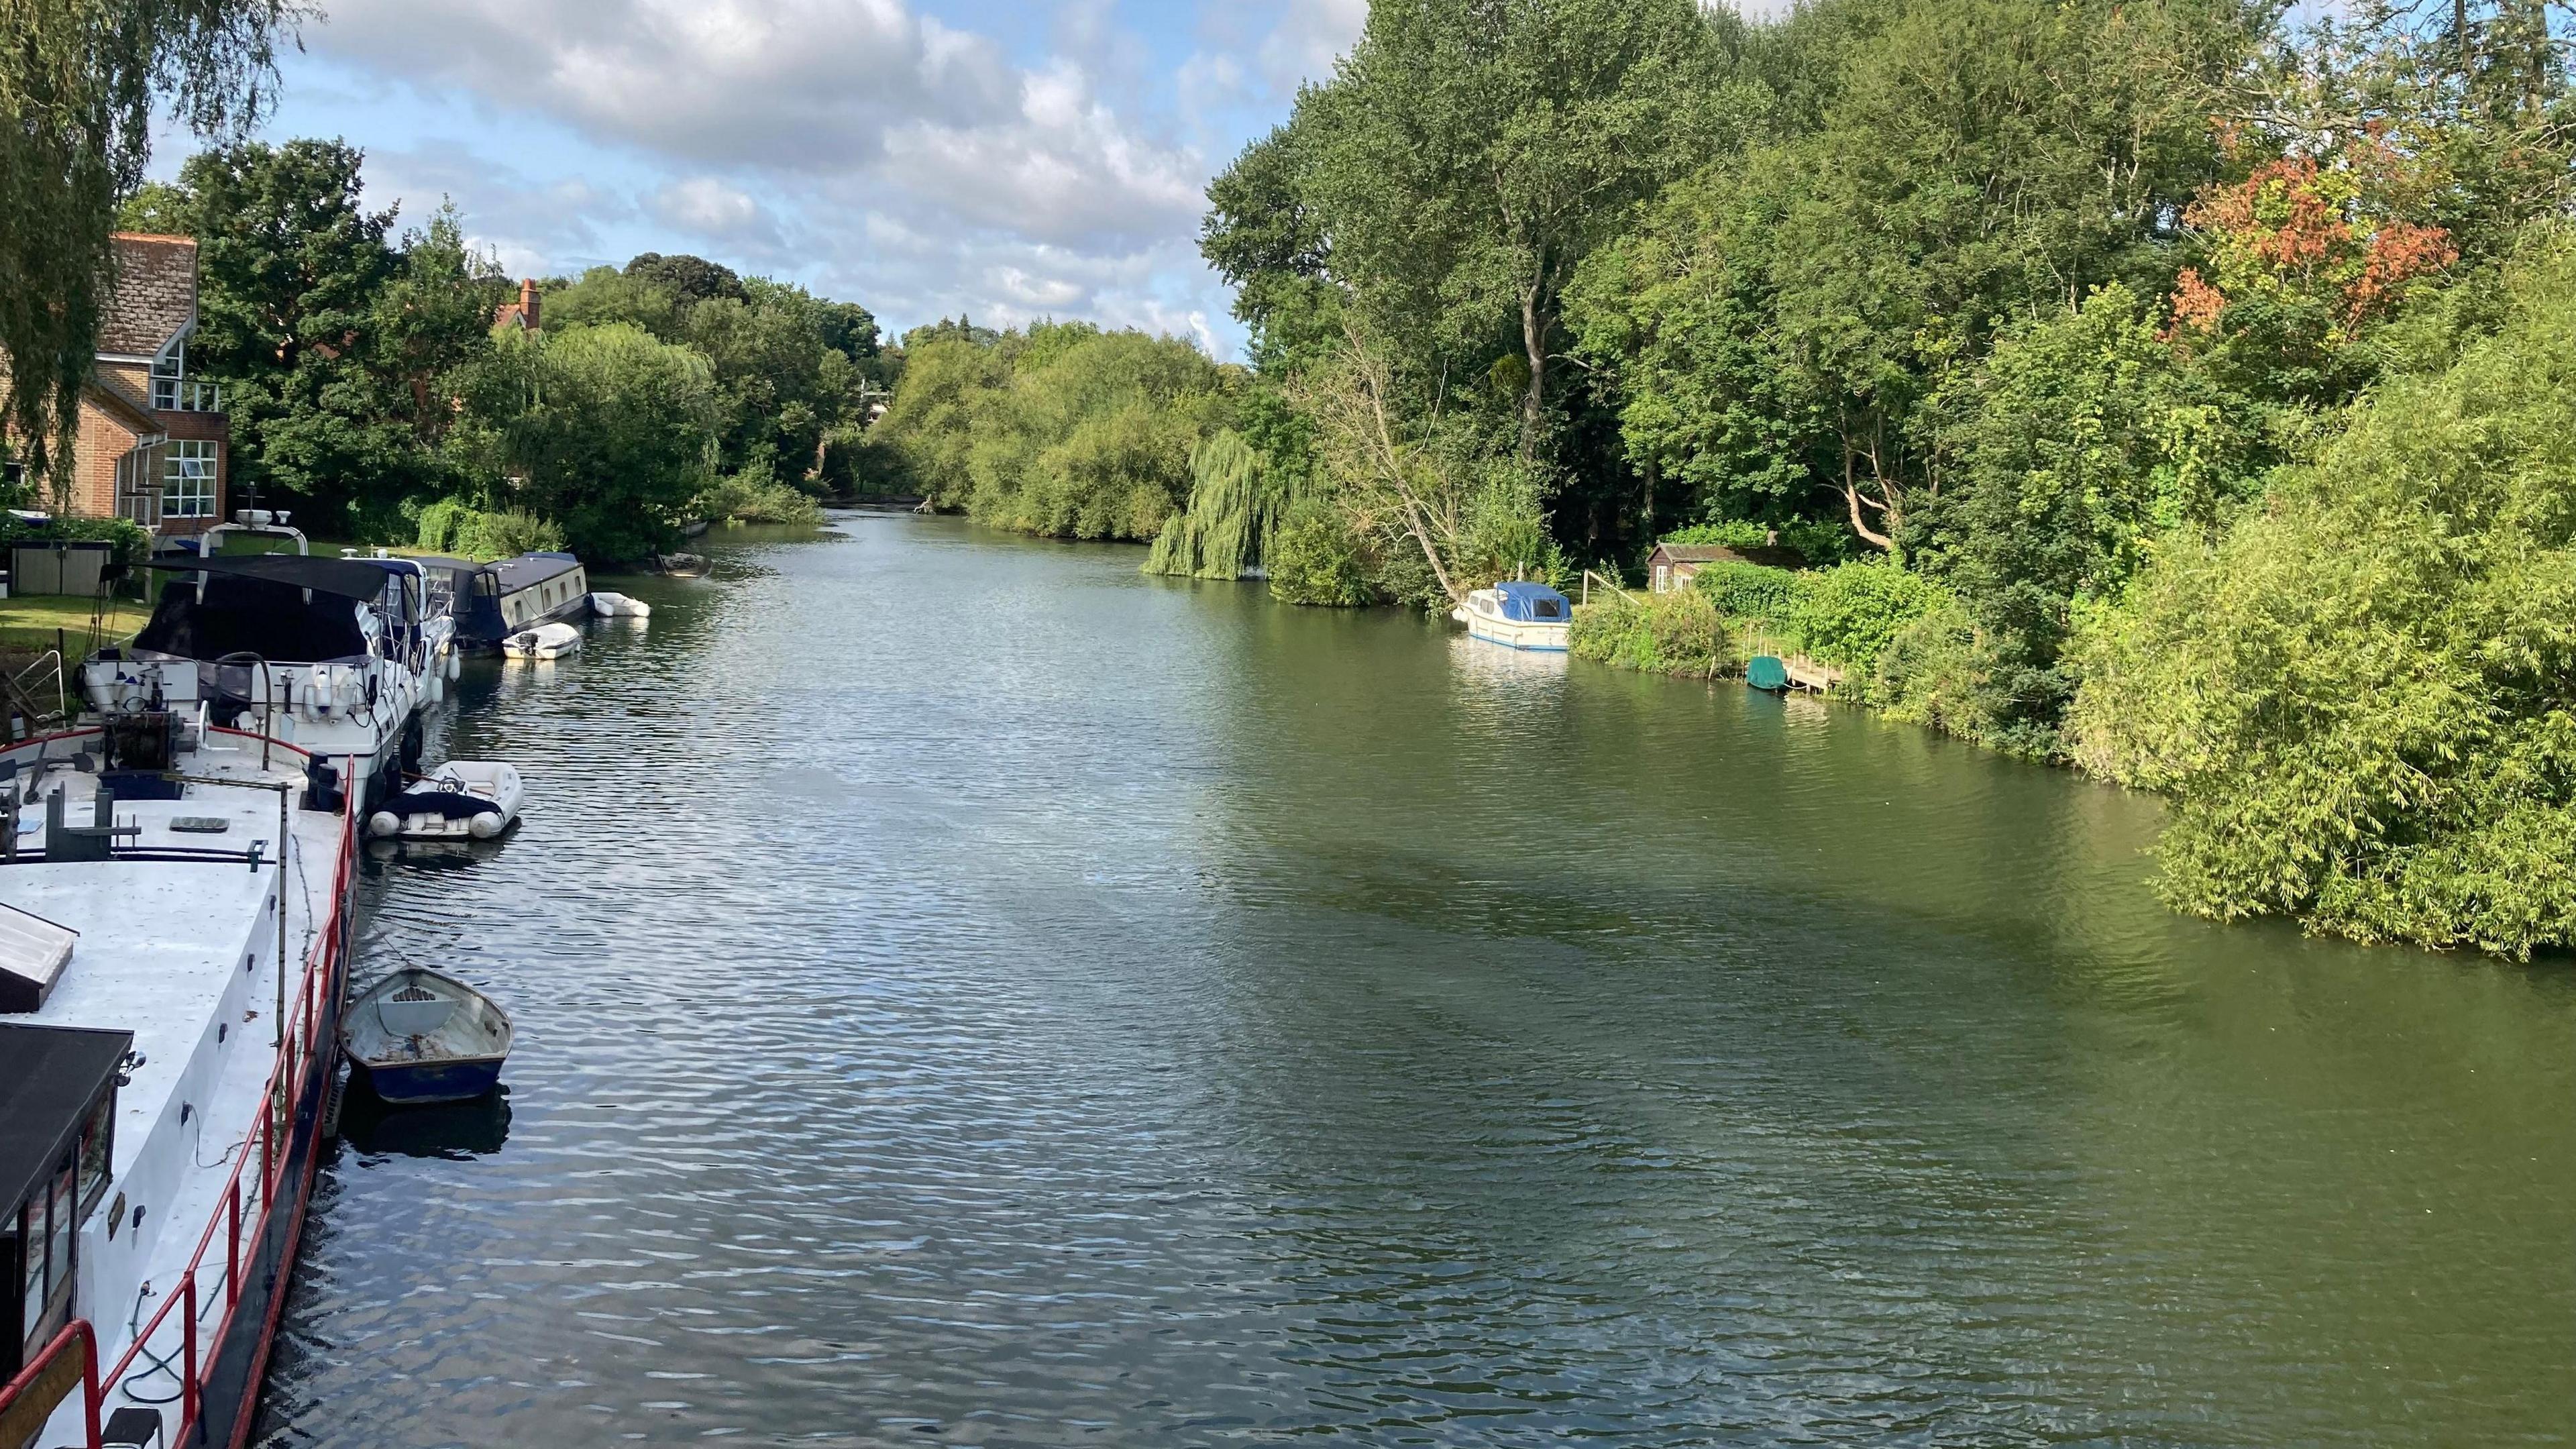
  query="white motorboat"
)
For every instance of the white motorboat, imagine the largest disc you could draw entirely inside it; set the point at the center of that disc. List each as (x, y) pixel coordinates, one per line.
(460, 800)
(546, 641)
(335, 656)
(618, 606)
(1518, 616)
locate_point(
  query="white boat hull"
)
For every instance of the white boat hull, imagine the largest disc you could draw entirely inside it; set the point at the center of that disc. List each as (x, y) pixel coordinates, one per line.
(1535, 638)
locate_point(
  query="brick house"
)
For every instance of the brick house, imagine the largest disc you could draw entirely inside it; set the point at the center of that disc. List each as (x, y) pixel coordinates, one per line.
(153, 441)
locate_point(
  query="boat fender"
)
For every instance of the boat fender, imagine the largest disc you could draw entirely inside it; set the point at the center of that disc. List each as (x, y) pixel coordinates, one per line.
(455, 663)
(384, 824)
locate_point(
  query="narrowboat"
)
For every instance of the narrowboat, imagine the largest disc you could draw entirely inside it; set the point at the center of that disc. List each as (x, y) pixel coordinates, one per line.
(174, 918)
(492, 601)
(1518, 616)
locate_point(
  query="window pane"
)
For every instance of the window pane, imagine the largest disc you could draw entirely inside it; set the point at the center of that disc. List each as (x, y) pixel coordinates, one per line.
(97, 1141)
(35, 1261)
(58, 1250)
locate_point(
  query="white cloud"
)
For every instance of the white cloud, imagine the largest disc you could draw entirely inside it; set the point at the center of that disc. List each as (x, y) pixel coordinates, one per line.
(1308, 39)
(708, 207)
(785, 84)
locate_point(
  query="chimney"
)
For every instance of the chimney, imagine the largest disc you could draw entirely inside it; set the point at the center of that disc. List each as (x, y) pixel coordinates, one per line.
(528, 303)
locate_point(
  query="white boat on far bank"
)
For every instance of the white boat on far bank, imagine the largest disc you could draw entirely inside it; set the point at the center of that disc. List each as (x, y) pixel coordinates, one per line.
(1518, 616)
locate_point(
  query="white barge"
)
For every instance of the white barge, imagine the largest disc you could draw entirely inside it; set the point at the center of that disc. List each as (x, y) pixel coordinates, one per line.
(174, 965)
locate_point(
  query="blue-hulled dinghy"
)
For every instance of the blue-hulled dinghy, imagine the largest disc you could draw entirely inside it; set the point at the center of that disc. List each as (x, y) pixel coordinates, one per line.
(423, 1037)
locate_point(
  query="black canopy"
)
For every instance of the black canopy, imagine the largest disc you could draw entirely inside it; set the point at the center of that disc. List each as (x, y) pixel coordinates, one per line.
(49, 1076)
(350, 578)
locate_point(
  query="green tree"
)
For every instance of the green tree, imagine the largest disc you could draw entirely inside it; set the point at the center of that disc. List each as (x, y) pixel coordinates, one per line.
(2086, 439)
(606, 430)
(690, 279)
(2359, 699)
(1464, 160)
(79, 81)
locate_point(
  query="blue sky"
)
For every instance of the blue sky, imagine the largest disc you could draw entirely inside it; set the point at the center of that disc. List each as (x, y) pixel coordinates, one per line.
(1007, 159)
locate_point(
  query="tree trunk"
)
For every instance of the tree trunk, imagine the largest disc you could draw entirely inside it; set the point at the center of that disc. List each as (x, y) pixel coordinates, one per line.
(1534, 344)
(1851, 497)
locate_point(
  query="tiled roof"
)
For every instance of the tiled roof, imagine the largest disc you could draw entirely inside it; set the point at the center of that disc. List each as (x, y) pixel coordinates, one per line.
(153, 296)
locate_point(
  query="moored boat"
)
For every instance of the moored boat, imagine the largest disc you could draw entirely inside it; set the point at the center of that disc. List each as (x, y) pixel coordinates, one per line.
(545, 641)
(424, 1037)
(618, 606)
(489, 602)
(173, 921)
(460, 800)
(1517, 616)
(335, 656)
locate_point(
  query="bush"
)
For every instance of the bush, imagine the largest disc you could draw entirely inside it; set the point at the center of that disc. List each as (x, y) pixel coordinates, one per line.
(1751, 592)
(451, 527)
(1847, 614)
(1726, 533)
(1674, 633)
(1314, 559)
(755, 495)
(2360, 699)
(1942, 670)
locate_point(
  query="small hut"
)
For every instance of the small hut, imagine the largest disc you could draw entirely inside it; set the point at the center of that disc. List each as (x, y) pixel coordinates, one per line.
(1671, 565)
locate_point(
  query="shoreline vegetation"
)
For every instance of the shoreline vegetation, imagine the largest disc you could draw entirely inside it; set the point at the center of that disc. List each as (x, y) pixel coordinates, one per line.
(2224, 458)
(2178, 390)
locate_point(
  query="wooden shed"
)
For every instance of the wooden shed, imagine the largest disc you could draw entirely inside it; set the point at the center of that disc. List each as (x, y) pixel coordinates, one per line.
(1671, 565)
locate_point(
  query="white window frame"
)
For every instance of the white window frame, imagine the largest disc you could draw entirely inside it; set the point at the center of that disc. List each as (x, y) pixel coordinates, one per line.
(188, 479)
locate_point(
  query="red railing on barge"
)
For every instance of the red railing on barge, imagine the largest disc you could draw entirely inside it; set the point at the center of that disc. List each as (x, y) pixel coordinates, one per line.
(315, 1033)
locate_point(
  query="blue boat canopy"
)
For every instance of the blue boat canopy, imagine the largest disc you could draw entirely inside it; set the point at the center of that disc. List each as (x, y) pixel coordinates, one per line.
(1533, 603)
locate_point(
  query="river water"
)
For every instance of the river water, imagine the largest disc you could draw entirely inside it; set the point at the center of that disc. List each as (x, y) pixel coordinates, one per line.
(969, 992)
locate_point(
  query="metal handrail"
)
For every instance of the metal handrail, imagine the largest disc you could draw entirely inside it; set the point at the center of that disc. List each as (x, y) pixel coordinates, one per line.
(314, 1031)
(78, 1332)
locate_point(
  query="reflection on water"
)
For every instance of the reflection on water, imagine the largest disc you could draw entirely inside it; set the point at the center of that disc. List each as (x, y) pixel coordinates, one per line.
(457, 1131)
(970, 992)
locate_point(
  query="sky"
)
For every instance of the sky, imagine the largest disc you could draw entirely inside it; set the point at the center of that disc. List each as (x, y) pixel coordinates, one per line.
(1000, 159)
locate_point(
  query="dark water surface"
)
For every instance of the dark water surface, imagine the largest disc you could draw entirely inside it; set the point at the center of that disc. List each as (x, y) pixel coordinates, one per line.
(971, 993)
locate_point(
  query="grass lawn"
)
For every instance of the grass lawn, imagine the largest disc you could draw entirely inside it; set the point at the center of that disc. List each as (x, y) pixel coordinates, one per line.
(29, 623)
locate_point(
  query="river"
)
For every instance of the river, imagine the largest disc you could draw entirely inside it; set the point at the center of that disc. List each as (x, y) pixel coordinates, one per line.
(969, 992)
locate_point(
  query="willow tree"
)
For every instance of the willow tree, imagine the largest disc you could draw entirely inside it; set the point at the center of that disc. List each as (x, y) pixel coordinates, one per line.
(1234, 506)
(78, 83)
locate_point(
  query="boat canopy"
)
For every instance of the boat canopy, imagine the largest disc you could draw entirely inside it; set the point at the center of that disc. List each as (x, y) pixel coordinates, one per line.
(274, 620)
(530, 569)
(1532, 603)
(348, 578)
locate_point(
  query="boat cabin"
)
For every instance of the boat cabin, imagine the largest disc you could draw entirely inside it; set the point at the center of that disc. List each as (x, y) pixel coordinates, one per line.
(491, 601)
(286, 608)
(57, 1138)
(1524, 603)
